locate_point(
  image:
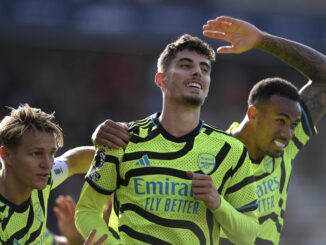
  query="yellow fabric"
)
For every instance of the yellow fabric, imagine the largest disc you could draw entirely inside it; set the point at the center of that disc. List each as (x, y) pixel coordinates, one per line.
(153, 192)
(89, 214)
(25, 224)
(241, 228)
(272, 180)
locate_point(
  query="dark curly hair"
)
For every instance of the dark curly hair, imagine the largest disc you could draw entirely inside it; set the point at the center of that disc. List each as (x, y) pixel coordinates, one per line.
(264, 89)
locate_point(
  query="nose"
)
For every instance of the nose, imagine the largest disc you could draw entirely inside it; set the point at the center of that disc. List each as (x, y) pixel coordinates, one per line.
(47, 162)
(287, 133)
(197, 72)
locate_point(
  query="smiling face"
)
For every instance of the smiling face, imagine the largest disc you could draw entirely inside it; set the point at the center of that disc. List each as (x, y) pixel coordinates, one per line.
(187, 79)
(274, 123)
(29, 164)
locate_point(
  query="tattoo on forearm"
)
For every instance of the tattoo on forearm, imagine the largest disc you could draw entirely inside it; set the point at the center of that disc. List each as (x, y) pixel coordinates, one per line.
(305, 59)
(315, 100)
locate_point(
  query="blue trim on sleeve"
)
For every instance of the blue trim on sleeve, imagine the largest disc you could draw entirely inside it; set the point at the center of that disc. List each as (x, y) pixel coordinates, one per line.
(249, 207)
(306, 120)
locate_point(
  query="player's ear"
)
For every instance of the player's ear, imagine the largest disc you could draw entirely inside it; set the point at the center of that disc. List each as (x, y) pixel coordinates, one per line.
(5, 153)
(251, 112)
(159, 79)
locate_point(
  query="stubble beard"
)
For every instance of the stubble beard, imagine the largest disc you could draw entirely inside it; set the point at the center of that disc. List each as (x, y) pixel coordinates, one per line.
(192, 101)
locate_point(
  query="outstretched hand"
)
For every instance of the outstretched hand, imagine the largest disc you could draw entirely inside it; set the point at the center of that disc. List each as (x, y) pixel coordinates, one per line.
(242, 35)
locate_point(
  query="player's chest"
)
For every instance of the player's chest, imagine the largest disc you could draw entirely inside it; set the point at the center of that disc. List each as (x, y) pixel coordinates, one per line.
(26, 224)
(196, 155)
(272, 179)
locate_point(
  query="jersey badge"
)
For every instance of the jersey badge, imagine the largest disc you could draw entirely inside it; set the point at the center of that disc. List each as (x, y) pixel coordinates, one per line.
(39, 214)
(269, 165)
(16, 242)
(206, 162)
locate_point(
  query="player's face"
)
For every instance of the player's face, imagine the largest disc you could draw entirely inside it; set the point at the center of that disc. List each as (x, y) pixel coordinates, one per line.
(187, 79)
(30, 163)
(275, 122)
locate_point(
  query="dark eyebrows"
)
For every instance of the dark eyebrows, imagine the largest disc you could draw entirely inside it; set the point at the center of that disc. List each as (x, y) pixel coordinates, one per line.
(208, 66)
(288, 117)
(284, 115)
(185, 59)
(203, 63)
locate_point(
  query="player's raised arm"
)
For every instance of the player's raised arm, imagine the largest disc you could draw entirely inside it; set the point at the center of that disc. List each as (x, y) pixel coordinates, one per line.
(244, 36)
(309, 62)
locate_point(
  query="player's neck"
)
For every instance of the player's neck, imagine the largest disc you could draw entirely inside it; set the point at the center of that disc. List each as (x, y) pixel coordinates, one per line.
(245, 134)
(179, 122)
(11, 190)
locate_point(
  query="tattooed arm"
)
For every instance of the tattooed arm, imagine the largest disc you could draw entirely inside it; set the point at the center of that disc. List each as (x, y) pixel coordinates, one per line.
(243, 37)
(309, 62)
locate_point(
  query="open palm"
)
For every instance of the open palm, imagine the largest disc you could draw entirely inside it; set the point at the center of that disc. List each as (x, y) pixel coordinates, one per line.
(240, 34)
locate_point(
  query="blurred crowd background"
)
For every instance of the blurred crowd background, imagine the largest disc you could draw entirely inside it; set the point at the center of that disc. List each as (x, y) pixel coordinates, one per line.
(91, 60)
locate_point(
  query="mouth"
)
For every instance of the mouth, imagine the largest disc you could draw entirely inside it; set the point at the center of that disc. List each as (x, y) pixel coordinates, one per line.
(44, 175)
(194, 84)
(279, 144)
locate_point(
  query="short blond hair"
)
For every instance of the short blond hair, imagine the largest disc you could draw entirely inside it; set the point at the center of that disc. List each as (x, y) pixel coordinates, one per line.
(26, 119)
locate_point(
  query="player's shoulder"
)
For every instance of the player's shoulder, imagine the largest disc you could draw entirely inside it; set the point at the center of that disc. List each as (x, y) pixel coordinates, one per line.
(140, 126)
(140, 123)
(221, 135)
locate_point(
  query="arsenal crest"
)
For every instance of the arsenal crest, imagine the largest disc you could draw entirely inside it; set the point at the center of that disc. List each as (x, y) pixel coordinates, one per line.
(206, 162)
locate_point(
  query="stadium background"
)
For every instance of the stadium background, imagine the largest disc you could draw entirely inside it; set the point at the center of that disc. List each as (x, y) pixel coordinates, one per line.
(91, 60)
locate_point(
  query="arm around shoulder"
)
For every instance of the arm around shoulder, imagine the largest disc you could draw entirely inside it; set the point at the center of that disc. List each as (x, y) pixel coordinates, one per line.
(78, 159)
